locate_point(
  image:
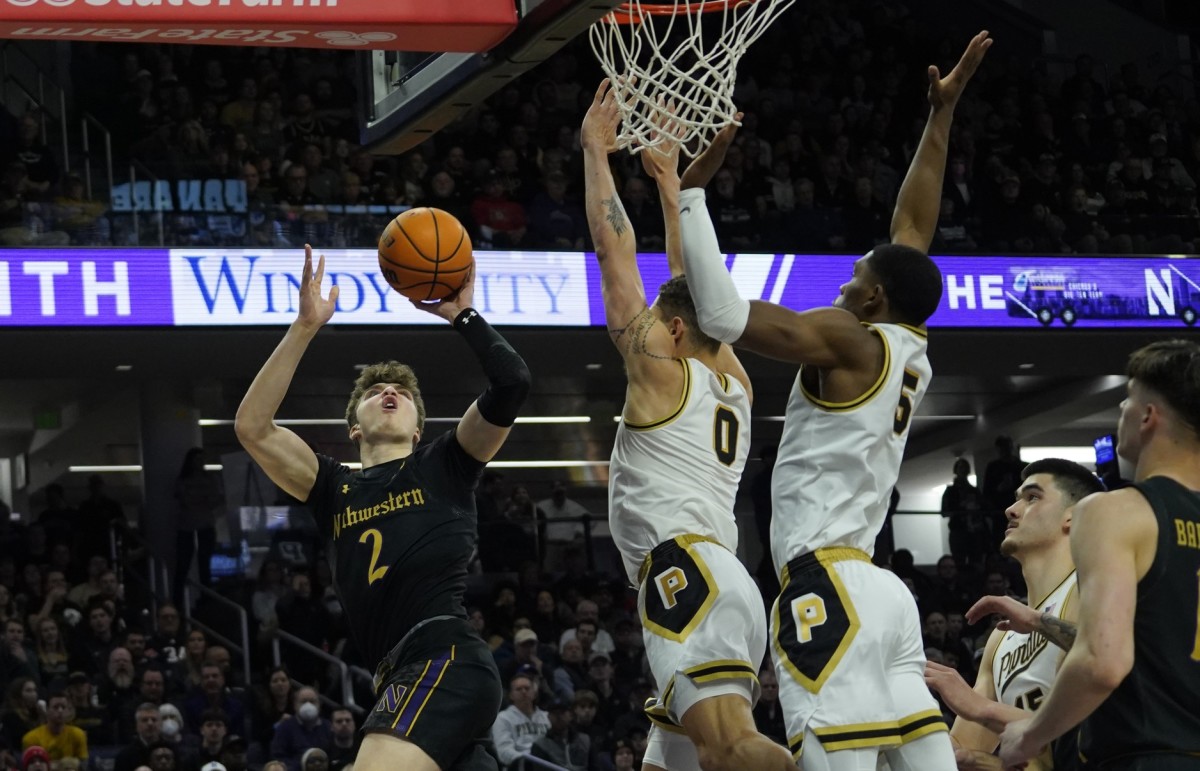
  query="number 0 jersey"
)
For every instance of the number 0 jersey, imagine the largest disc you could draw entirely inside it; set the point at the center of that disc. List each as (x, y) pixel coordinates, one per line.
(680, 474)
(399, 537)
(838, 462)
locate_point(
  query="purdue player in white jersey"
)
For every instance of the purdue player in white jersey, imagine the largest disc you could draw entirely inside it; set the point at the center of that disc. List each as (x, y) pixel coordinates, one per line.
(845, 633)
(676, 463)
(1022, 656)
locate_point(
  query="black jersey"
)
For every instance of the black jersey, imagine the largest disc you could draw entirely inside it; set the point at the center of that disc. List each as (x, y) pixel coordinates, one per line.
(400, 536)
(1157, 707)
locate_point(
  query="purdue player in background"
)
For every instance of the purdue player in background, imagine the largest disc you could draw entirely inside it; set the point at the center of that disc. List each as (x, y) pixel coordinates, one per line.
(1133, 675)
(401, 531)
(679, 453)
(1019, 668)
(846, 633)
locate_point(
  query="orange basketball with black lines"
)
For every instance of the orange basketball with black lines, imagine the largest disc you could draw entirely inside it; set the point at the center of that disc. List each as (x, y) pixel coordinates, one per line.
(425, 254)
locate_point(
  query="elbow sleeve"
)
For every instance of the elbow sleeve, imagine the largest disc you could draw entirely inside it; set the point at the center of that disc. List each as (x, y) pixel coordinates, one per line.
(721, 311)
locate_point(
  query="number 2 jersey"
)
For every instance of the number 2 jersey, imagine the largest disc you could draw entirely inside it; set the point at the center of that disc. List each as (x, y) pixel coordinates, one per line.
(399, 537)
(680, 474)
(838, 462)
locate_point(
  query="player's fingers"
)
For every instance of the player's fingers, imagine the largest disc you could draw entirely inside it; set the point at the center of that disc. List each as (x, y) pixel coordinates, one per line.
(320, 271)
(934, 75)
(1004, 626)
(333, 294)
(601, 90)
(304, 276)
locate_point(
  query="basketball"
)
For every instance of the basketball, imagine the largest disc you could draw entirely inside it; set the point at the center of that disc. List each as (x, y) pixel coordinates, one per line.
(425, 254)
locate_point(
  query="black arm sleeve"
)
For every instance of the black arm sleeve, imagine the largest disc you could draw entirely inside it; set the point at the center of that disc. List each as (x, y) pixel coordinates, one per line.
(508, 376)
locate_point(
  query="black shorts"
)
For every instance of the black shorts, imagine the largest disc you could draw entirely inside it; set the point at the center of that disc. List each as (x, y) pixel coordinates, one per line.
(441, 691)
(1151, 761)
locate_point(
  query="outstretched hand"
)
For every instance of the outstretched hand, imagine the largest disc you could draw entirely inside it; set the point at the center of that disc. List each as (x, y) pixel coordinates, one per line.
(315, 310)
(661, 159)
(1018, 617)
(944, 92)
(599, 130)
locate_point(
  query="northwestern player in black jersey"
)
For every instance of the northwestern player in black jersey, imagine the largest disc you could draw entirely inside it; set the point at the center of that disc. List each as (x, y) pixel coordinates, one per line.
(1132, 677)
(401, 531)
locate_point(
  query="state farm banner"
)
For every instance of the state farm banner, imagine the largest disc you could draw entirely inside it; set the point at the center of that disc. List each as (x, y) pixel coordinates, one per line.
(406, 25)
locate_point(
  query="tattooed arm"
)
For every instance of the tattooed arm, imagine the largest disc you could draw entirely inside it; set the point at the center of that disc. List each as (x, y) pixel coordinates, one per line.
(1061, 633)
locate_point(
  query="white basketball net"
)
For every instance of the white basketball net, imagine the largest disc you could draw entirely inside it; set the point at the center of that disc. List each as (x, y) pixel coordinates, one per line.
(650, 68)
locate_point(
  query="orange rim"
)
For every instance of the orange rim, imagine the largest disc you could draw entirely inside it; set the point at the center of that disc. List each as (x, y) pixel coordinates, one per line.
(633, 13)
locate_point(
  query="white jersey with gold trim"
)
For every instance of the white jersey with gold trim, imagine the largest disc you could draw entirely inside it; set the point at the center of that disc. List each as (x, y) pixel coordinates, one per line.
(680, 474)
(1025, 665)
(838, 462)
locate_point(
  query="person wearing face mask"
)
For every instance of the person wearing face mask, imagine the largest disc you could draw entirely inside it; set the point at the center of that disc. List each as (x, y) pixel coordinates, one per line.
(149, 733)
(303, 731)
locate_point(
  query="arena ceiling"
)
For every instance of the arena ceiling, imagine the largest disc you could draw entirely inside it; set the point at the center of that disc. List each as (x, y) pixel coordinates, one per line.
(1045, 387)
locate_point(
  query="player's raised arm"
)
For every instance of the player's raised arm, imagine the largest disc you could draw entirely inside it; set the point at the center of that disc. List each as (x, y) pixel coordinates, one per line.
(626, 313)
(287, 460)
(663, 168)
(915, 218)
(490, 418)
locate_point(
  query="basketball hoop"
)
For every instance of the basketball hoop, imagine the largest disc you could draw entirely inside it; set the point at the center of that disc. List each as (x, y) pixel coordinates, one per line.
(682, 54)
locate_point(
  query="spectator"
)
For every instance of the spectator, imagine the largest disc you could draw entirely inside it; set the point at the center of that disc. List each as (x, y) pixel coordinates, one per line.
(148, 735)
(525, 660)
(61, 741)
(521, 724)
(40, 164)
(117, 691)
(555, 222)
(645, 216)
(562, 745)
(623, 756)
(952, 592)
(502, 222)
(35, 759)
(305, 616)
(633, 720)
(89, 716)
(99, 513)
(22, 711)
(559, 536)
(734, 212)
(212, 694)
(198, 494)
(171, 730)
(346, 741)
(17, 658)
(963, 506)
(97, 641)
(629, 656)
(213, 730)
(272, 704)
(233, 754)
(768, 713)
(587, 610)
(168, 643)
(304, 730)
(1001, 477)
(59, 517)
(80, 594)
(50, 644)
(162, 757)
(585, 722)
(323, 182)
(572, 673)
(610, 703)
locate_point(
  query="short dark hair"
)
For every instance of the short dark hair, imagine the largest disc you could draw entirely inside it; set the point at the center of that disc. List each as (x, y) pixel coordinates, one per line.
(1171, 368)
(910, 279)
(676, 300)
(1075, 481)
(590, 623)
(214, 716)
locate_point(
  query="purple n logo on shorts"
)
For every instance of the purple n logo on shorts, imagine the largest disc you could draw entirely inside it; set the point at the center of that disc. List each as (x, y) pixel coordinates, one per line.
(419, 696)
(390, 699)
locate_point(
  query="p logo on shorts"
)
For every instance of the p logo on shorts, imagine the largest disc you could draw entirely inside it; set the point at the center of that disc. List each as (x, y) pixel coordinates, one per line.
(680, 590)
(669, 583)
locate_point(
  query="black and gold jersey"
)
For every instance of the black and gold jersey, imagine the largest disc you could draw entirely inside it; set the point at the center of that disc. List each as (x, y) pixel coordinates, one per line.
(1156, 709)
(399, 538)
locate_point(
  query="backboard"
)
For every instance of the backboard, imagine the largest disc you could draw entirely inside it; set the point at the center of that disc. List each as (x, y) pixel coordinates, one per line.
(411, 95)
